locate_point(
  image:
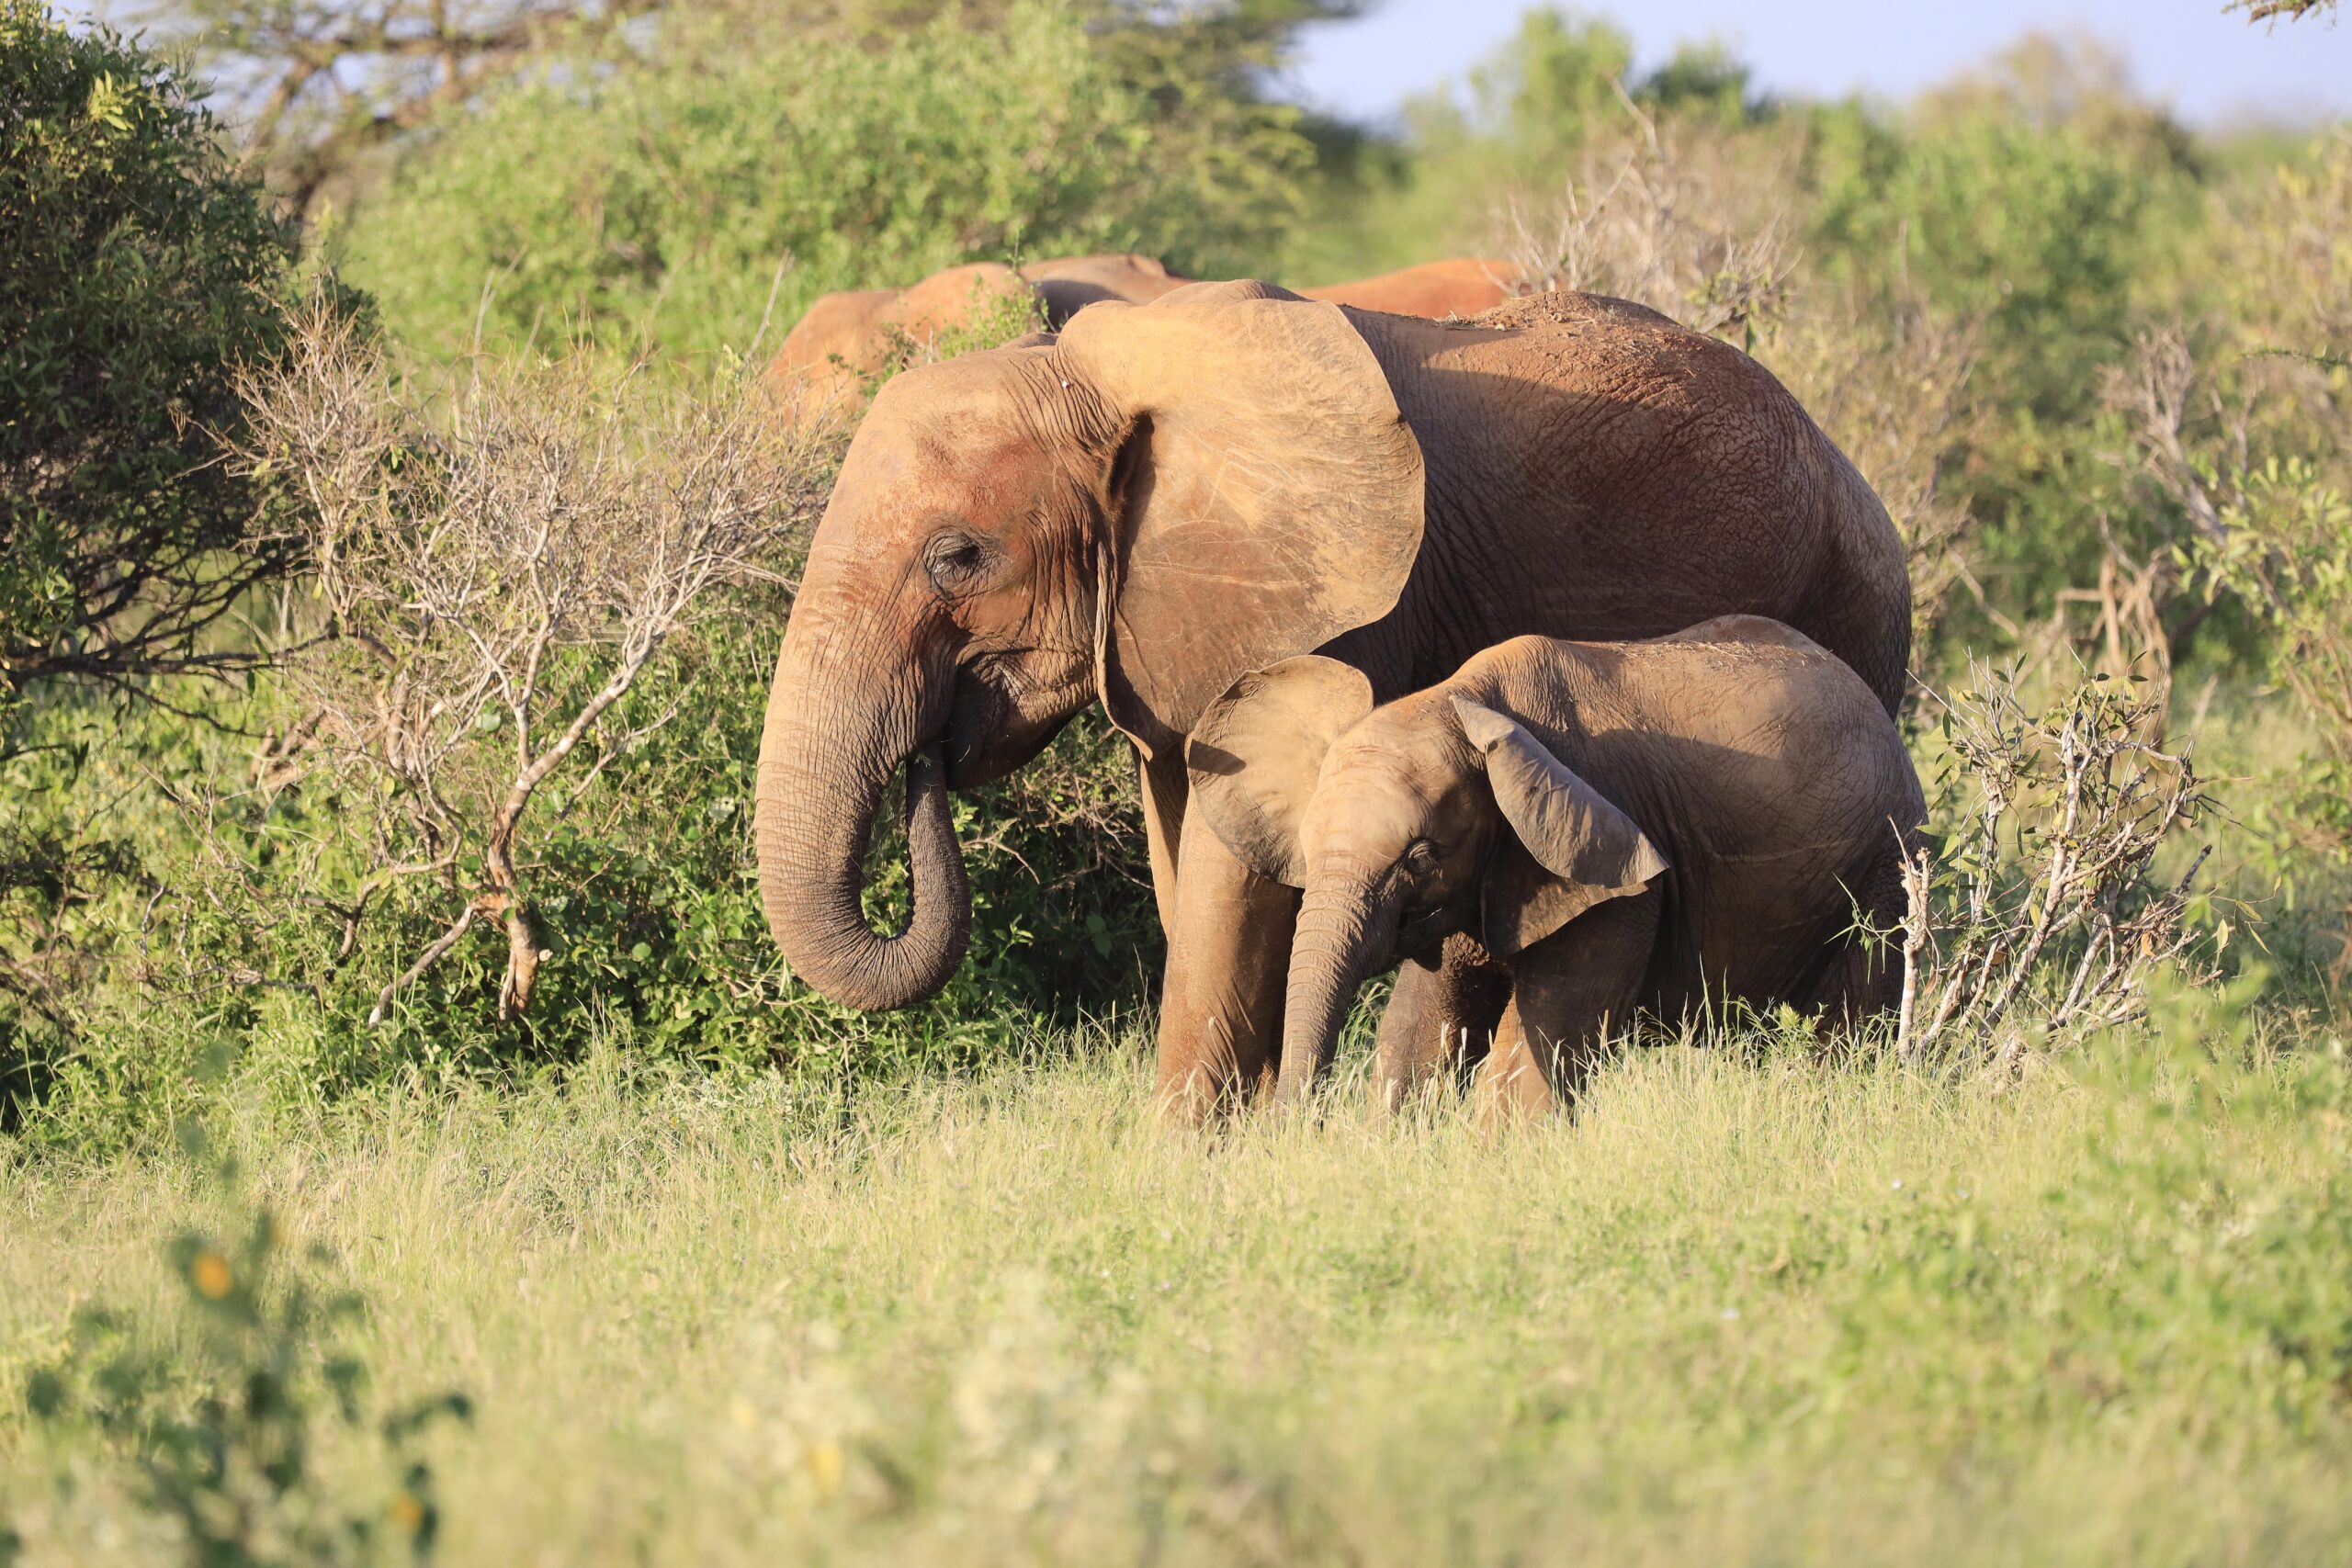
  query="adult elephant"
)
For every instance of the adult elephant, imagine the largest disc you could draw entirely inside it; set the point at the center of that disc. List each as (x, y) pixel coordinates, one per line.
(1165, 496)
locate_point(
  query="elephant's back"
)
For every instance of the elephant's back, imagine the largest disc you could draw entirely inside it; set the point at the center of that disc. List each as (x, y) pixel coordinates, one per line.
(1462, 286)
(1743, 740)
(1784, 712)
(1718, 718)
(1619, 476)
(833, 324)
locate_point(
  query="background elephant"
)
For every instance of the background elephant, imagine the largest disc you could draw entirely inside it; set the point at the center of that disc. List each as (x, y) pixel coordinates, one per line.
(844, 336)
(1464, 286)
(1658, 826)
(1165, 496)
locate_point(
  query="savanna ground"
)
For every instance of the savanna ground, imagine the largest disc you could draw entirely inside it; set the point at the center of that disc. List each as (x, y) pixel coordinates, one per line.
(1746, 1310)
(408, 1149)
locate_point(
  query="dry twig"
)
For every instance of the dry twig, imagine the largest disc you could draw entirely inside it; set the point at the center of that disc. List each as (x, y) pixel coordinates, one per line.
(496, 586)
(2045, 893)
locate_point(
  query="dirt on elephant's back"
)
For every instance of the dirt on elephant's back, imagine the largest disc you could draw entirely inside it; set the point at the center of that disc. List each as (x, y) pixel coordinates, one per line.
(1563, 308)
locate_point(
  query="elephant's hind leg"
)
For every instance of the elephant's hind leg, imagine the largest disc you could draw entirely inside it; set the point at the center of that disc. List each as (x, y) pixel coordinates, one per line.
(1440, 1019)
(1861, 974)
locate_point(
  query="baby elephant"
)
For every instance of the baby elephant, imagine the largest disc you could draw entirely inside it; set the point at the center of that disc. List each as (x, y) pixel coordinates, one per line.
(1621, 825)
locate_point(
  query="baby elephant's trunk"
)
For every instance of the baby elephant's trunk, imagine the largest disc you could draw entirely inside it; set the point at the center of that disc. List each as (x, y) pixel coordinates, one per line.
(1328, 957)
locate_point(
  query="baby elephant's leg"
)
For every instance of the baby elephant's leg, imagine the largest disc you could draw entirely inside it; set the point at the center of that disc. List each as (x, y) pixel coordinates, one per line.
(1440, 1019)
(1511, 1086)
(1576, 984)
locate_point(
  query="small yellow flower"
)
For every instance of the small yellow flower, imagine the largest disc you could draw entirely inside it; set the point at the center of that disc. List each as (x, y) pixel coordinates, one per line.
(209, 1272)
(825, 1466)
(406, 1512)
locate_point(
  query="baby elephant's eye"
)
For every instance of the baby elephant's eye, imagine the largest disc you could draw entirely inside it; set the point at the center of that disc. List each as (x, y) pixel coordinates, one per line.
(1421, 857)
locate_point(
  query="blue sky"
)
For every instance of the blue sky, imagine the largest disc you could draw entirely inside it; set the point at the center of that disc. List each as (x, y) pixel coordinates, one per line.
(2213, 68)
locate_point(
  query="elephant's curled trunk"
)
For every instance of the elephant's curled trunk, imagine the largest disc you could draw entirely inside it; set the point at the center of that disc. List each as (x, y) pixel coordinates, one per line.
(818, 798)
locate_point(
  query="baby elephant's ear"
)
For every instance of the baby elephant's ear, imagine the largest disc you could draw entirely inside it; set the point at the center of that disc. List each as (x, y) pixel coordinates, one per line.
(1576, 848)
(1255, 753)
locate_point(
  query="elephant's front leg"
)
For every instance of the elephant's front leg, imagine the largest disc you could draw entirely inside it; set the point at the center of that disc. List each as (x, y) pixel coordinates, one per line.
(1228, 960)
(1441, 1018)
(1567, 992)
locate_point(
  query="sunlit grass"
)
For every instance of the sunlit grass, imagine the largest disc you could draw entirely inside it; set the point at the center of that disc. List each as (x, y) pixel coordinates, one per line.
(1740, 1310)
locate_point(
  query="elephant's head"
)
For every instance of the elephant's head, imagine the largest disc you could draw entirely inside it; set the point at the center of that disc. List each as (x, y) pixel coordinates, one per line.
(1403, 823)
(1158, 499)
(1067, 285)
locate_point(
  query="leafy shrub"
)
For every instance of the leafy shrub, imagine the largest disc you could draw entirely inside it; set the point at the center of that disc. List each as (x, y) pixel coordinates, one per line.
(2034, 200)
(2240, 426)
(645, 880)
(139, 267)
(221, 1438)
(682, 199)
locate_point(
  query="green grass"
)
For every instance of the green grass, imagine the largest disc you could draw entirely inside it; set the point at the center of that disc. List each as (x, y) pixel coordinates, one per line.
(1744, 1309)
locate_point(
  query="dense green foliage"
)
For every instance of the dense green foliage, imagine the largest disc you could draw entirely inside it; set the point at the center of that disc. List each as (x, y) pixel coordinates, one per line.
(663, 201)
(139, 266)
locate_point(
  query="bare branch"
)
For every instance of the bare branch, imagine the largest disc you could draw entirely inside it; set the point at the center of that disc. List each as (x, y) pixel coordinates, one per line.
(2065, 814)
(522, 564)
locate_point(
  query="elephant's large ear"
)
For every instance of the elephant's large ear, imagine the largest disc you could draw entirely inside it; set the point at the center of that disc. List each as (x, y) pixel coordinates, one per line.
(1268, 495)
(1255, 753)
(1575, 849)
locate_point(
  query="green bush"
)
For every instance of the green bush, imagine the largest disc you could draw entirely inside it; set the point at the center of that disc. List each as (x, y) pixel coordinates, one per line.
(218, 1425)
(139, 265)
(652, 200)
(139, 268)
(646, 885)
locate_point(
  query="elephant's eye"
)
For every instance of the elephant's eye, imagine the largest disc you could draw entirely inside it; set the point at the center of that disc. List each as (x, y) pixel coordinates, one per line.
(955, 561)
(1421, 857)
